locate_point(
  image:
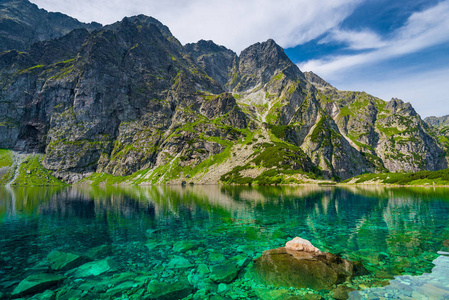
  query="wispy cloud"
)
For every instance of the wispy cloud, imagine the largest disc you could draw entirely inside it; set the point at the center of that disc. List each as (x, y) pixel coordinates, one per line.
(355, 40)
(422, 30)
(235, 24)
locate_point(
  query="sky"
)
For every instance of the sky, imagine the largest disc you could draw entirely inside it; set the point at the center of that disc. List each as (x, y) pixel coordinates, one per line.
(388, 48)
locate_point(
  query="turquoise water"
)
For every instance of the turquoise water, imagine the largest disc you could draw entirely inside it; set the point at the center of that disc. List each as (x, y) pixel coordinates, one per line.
(168, 242)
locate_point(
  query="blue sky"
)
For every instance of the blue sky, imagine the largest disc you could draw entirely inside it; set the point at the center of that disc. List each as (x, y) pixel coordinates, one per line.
(388, 48)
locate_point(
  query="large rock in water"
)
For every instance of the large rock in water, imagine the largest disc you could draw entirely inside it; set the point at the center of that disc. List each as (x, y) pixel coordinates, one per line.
(36, 283)
(62, 261)
(284, 267)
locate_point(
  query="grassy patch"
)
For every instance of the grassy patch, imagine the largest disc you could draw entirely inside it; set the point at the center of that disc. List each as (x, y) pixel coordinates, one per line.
(6, 158)
(32, 173)
(440, 177)
(281, 161)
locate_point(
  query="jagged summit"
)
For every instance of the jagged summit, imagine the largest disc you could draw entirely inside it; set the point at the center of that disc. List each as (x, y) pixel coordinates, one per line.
(129, 99)
(22, 23)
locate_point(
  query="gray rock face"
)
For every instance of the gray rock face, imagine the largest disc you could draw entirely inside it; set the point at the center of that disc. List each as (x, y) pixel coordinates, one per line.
(23, 23)
(129, 97)
(437, 121)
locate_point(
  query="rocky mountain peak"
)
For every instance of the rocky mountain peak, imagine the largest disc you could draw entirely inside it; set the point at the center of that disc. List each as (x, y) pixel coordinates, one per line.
(260, 62)
(267, 55)
(22, 23)
(317, 81)
(203, 47)
(437, 121)
(398, 106)
(129, 97)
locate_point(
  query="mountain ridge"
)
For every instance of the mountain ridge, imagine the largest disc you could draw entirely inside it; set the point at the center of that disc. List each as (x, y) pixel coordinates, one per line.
(22, 23)
(129, 100)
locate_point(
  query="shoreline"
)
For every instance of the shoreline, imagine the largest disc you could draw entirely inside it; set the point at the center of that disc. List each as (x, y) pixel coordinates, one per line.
(319, 184)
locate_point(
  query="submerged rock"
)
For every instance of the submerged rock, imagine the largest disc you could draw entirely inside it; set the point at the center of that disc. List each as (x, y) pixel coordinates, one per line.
(94, 268)
(100, 252)
(62, 261)
(165, 291)
(283, 267)
(224, 273)
(184, 246)
(342, 292)
(179, 262)
(36, 283)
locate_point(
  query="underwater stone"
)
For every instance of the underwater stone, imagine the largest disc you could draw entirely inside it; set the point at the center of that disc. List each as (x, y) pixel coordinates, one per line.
(167, 291)
(99, 252)
(62, 261)
(94, 268)
(241, 261)
(179, 262)
(119, 289)
(342, 292)
(184, 246)
(224, 273)
(222, 287)
(283, 267)
(47, 295)
(299, 244)
(36, 283)
(203, 269)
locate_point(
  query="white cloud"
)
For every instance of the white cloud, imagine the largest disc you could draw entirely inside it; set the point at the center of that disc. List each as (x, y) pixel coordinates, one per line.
(233, 23)
(356, 40)
(422, 30)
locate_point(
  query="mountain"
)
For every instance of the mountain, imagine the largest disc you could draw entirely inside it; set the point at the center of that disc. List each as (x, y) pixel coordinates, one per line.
(440, 130)
(23, 23)
(129, 100)
(438, 121)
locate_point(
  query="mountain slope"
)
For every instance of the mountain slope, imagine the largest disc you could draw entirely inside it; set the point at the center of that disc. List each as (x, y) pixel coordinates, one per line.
(130, 100)
(23, 23)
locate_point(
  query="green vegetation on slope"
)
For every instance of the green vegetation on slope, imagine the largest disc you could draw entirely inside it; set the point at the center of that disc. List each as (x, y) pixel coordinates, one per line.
(6, 158)
(440, 177)
(32, 173)
(280, 161)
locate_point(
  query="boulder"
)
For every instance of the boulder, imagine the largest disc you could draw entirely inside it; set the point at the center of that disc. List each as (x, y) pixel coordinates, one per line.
(34, 284)
(299, 244)
(283, 267)
(62, 261)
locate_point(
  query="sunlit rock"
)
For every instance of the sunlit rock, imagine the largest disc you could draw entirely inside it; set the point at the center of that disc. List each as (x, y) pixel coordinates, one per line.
(300, 244)
(284, 267)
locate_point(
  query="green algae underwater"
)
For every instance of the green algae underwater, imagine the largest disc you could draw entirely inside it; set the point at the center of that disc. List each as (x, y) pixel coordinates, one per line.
(201, 242)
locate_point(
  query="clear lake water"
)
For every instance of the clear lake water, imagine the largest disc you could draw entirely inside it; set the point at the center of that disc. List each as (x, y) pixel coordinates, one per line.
(200, 242)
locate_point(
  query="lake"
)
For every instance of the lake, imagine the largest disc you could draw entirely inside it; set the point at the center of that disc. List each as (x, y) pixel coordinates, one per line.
(200, 242)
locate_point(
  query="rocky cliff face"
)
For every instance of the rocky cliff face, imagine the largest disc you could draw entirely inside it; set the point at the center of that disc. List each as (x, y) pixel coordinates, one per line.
(23, 23)
(440, 130)
(130, 100)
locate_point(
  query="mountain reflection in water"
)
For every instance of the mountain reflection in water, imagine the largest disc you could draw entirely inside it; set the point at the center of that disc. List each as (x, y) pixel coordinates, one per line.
(392, 231)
